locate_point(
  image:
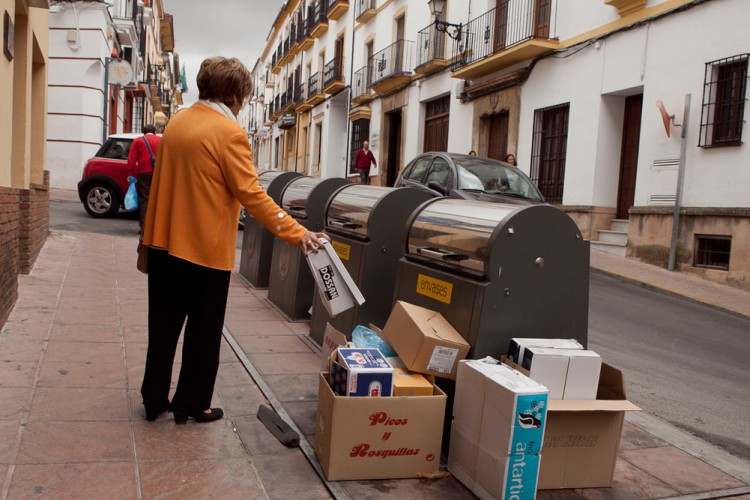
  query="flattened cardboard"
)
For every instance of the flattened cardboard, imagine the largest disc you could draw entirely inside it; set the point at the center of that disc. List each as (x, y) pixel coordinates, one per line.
(424, 340)
(378, 438)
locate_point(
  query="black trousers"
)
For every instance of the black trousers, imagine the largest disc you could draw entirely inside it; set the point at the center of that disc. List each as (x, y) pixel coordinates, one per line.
(180, 290)
(143, 188)
(364, 175)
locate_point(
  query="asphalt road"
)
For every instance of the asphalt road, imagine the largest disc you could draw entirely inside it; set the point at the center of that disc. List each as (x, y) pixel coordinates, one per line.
(683, 362)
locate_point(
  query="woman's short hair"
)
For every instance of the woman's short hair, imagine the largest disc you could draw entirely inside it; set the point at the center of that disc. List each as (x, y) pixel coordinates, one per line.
(224, 80)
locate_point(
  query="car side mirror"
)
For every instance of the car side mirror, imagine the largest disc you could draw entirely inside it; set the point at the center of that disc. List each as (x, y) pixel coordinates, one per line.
(436, 186)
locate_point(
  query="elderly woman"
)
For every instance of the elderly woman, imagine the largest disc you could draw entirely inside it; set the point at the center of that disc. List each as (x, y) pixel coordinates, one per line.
(204, 172)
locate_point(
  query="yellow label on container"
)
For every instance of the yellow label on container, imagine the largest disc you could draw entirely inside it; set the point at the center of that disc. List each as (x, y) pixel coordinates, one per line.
(434, 288)
(342, 249)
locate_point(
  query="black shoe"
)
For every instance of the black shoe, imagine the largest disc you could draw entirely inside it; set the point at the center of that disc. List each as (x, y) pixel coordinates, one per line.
(181, 415)
(153, 412)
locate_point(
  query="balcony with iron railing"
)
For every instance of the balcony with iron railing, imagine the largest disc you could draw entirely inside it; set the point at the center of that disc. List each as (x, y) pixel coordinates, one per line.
(307, 39)
(433, 50)
(289, 96)
(286, 46)
(277, 107)
(320, 19)
(315, 94)
(333, 76)
(276, 61)
(361, 93)
(364, 10)
(337, 8)
(300, 97)
(509, 34)
(294, 40)
(393, 66)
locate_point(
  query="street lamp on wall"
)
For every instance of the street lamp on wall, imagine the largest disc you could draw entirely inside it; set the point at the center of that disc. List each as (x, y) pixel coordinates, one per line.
(452, 30)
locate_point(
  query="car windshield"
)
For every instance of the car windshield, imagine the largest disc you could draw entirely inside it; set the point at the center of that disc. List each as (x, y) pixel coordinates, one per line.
(494, 178)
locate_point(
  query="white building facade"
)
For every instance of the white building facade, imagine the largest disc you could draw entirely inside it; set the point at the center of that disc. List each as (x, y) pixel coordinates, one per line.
(569, 87)
(110, 72)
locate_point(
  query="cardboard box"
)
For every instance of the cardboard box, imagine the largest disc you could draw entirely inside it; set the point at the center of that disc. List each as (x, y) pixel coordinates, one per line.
(361, 372)
(378, 438)
(407, 383)
(549, 367)
(518, 345)
(332, 340)
(582, 437)
(584, 369)
(497, 431)
(424, 340)
(568, 373)
(337, 289)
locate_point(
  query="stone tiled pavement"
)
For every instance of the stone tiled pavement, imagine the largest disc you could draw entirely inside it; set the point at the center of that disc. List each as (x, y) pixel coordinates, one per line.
(72, 426)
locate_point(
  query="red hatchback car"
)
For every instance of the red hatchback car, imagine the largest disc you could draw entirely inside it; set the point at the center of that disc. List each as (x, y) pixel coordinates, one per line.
(105, 177)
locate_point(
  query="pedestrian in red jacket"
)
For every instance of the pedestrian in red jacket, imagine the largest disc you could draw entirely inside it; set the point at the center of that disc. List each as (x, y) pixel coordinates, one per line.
(365, 158)
(141, 160)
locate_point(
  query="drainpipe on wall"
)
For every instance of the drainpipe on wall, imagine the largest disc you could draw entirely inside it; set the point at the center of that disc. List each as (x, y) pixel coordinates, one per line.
(349, 103)
(105, 124)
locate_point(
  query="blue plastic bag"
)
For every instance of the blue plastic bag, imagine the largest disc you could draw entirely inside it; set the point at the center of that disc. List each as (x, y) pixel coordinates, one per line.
(364, 337)
(131, 197)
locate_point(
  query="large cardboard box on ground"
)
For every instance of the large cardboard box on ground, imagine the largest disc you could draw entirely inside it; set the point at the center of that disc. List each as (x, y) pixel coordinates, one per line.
(337, 289)
(497, 431)
(378, 438)
(424, 340)
(583, 436)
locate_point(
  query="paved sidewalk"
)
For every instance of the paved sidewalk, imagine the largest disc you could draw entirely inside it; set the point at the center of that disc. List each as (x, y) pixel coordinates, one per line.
(72, 424)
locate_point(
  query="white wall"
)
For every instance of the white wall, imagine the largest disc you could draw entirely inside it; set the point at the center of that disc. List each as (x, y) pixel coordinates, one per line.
(665, 59)
(75, 97)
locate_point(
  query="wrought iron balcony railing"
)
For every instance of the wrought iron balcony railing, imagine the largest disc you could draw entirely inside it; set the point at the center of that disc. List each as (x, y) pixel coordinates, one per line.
(362, 7)
(314, 85)
(300, 93)
(321, 11)
(396, 59)
(502, 28)
(361, 82)
(334, 72)
(431, 45)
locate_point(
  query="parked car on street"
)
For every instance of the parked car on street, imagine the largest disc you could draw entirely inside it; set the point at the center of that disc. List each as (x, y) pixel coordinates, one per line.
(469, 177)
(105, 177)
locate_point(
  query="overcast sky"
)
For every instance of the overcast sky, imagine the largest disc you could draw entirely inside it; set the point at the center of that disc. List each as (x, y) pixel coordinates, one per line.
(230, 28)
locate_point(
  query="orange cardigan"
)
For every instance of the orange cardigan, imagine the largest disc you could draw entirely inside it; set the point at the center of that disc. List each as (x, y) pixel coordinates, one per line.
(204, 171)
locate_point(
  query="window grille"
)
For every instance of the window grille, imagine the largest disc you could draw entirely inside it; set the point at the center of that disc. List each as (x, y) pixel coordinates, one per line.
(137, 124)
(548, 151)
(712, 251)
(360, 133)
(722, 112)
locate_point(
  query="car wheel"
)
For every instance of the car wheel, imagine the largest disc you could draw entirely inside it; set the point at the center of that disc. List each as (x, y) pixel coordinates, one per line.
(100, 200)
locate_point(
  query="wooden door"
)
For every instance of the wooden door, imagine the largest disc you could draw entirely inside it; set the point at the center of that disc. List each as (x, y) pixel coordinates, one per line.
(394, 147)
(436, 125)
(498, 136)
(542, 18)
(400, 45)
(501, 24)
(338, 56)
(631, 136)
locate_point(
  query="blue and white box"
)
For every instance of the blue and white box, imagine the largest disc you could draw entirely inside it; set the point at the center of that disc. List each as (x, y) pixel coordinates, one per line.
(361, 372)
(499, 416)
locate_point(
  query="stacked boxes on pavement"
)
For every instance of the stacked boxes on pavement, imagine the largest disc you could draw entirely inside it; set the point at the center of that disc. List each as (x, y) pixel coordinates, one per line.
(549, 416)
(382, 417)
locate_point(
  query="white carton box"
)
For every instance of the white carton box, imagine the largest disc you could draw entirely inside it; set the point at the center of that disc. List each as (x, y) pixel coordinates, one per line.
(549, 367)
(568, 373)
(518, 346)
(337, 289)
(584, 369)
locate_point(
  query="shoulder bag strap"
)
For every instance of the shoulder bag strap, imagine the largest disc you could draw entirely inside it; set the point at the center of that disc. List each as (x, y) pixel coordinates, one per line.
(150, 151)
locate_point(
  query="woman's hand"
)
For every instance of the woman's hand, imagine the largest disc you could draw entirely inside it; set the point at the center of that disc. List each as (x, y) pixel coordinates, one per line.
(311, 241)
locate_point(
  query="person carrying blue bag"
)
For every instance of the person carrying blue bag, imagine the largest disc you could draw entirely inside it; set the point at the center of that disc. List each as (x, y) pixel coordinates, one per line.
(141, 161)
